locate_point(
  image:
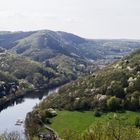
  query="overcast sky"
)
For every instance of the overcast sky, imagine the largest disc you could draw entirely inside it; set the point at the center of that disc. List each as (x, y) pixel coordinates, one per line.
(87, 18)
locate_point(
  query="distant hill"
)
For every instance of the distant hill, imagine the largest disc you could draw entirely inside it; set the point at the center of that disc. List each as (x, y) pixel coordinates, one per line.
(8, 39)
(66, 52)
(46, 44)
(113, 88)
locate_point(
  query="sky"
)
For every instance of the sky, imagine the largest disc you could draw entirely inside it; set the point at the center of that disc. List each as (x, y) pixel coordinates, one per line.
(87, 18)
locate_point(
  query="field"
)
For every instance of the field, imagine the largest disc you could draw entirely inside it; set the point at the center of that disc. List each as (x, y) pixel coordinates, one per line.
(77, 122)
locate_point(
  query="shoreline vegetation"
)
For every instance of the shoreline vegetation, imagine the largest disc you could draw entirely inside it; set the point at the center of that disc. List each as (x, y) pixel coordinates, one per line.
(11, 98)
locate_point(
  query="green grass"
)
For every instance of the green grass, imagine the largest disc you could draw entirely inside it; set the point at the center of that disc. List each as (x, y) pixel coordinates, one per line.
(80, 121)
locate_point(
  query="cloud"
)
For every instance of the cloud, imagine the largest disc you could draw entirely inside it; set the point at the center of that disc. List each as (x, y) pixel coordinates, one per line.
(89, 18)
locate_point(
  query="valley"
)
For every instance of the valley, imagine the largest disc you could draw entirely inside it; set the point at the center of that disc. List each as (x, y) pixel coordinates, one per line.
(96, 77)
(114, 88)
(69, 70)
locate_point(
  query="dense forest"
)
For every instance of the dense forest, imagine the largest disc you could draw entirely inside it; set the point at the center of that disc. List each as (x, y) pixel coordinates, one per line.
(113, 88)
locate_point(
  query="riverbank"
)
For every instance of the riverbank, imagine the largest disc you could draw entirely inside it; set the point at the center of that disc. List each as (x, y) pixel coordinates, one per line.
(18, 108)
(7, 100)
(26, 93)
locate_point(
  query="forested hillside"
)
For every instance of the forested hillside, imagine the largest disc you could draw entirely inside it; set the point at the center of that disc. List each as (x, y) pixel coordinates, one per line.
(112, 88)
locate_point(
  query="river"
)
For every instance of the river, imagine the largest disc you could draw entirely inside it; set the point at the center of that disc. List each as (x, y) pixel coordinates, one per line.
(18, 110)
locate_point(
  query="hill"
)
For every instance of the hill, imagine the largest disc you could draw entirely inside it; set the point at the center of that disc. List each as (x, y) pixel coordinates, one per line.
(112, 88)
(19, 74)
(65, 49)
(79, 104)
(45, 44)
(46, 59)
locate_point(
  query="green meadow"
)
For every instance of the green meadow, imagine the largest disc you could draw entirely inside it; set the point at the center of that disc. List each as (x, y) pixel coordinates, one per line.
(77, 122)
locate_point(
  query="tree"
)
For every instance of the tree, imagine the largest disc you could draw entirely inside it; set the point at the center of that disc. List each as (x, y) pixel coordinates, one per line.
(113, 103)
(135, 100)
(116, 89)
(137, 84)
(39, 80)
(11, 136)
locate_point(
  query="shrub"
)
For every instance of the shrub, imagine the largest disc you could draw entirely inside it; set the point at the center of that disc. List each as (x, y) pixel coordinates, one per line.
(137, 122)
(97, 113)
(14, 135)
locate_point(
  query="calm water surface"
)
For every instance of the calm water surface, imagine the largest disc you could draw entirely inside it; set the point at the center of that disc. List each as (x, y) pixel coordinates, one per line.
(18, 110)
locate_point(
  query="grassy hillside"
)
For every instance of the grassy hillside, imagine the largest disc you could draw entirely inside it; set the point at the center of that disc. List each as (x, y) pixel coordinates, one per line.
(45, 44)
(74, 124)
(78, 122)
(8, 39)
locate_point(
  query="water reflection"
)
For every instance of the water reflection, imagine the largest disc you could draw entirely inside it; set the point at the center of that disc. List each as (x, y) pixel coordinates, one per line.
(39, 94)
(12, 103)
(30, 95)
(18, 109)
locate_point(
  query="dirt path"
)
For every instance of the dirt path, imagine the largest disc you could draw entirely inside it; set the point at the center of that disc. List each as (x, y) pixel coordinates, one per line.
(53, 131)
